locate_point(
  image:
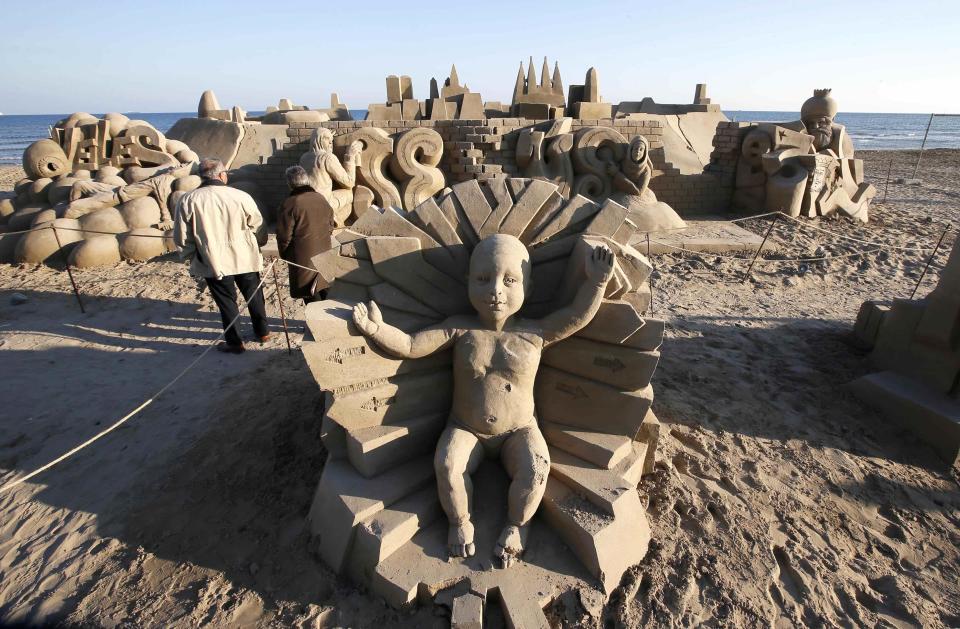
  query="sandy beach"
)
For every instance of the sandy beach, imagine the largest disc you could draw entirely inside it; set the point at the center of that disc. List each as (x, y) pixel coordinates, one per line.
(778, 500)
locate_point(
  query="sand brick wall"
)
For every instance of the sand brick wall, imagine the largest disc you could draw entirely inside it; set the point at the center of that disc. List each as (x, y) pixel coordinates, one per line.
(481, 149)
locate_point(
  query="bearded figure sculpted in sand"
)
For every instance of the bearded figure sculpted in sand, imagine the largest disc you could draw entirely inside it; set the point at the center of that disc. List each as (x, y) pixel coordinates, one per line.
(803, 168)
(495, 360)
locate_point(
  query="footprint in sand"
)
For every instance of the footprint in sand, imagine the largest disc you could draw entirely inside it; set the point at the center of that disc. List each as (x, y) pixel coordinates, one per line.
(689, 441)
(788, 587)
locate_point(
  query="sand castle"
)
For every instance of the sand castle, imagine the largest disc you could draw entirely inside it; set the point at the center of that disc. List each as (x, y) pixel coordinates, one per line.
(110, 186)
(662, 162)
(107, 185)
(392, 505)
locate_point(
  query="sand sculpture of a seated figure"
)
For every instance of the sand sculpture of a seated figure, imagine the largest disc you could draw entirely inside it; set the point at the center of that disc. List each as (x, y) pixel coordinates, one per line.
(325, 170)
(633, 177)
(803, 168)
(496, 356)
(630, 181)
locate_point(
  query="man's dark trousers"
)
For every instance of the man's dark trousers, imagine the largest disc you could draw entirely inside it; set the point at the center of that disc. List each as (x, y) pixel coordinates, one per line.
(224, 293)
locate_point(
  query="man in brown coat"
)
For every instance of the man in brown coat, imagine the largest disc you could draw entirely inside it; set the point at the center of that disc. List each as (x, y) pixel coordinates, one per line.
(305, 225)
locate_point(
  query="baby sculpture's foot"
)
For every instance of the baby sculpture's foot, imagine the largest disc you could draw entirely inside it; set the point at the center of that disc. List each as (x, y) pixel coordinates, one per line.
(510, 545)
(460, 539)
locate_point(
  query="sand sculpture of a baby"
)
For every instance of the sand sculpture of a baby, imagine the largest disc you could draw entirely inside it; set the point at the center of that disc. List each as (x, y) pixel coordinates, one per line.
(495, 360)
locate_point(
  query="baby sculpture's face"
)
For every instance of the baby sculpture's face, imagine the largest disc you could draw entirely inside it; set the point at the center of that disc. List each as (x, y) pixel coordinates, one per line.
(499, 277)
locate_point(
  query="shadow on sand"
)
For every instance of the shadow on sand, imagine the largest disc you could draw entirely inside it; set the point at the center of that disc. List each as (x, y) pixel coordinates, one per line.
(234, 499)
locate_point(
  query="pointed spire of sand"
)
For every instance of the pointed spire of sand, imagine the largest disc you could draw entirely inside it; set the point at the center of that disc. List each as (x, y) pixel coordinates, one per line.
(454, 80)
(557, 82)
(545, 75)
(518, 88)
(531, 77)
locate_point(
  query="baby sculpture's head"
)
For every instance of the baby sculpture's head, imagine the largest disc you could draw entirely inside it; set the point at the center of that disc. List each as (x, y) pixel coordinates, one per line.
(499, 277)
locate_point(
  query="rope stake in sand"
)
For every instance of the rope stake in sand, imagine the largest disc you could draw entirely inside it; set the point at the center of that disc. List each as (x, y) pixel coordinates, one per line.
(125, 418)
(930, 260)
(746, 275)
(66, 262)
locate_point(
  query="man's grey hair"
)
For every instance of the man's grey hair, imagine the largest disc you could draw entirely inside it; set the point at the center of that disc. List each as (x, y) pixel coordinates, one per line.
(210, 168)
(297, 177)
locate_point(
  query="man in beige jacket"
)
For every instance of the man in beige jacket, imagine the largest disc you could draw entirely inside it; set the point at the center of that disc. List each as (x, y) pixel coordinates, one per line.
(216, 230)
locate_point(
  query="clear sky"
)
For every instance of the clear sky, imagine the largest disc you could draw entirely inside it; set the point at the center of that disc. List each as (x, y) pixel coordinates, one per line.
(60, 56)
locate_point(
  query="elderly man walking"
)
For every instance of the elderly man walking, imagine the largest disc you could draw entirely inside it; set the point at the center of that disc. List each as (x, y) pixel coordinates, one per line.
(305, 225)
(216, 230)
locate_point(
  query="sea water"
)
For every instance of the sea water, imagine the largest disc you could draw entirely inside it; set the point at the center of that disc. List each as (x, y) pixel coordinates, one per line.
(869, 131)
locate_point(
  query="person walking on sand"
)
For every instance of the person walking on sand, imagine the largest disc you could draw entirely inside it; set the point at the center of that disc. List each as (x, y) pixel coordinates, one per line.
(216, 230)
(305, 225)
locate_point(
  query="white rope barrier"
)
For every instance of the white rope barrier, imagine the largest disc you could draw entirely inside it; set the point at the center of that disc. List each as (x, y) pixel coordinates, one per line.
(809, 225)
(50, 225)
(767, 260)
(22, 231)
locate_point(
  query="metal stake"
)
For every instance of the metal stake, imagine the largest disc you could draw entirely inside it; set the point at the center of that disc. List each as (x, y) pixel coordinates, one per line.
(69, 272)
(930, 260)
(923, 144)
(776, 217)
(283, 317)
(886, 184)
(651, 278)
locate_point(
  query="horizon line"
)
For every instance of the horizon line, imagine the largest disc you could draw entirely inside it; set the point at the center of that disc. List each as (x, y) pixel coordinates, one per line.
(723, 110)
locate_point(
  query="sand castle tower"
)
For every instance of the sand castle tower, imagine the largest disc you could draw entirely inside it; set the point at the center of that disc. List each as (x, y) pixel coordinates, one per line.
(538, 101)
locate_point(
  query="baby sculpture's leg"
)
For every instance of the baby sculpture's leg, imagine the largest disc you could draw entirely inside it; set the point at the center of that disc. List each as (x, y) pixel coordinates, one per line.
(527, 461)
(459, 452)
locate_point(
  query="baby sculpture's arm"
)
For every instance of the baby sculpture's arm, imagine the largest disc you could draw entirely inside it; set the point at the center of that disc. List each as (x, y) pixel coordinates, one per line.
(397, 342)
(569, 319)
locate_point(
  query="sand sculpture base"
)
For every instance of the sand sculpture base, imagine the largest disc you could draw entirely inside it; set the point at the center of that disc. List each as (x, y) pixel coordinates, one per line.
(376, 515)
(420, 570)
(916, 406)
(917, 344)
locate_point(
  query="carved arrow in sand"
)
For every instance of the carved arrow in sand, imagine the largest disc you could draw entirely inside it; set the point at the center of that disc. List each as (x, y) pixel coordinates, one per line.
(572, 390)
(613, 364)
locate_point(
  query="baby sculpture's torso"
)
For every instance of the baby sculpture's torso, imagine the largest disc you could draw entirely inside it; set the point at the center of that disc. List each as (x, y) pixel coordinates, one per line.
(493, 376)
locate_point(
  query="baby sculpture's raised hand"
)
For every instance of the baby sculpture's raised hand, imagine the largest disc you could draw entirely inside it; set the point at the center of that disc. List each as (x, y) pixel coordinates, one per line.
(599, 264)
(367, 319)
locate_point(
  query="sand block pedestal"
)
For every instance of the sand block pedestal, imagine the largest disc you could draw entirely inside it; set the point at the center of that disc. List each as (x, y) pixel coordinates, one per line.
(933, 416)
(916, 345)
(704, 236)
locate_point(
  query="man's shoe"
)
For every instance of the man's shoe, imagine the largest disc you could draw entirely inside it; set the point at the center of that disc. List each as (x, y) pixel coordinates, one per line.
(227, 348)
(264, 338)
